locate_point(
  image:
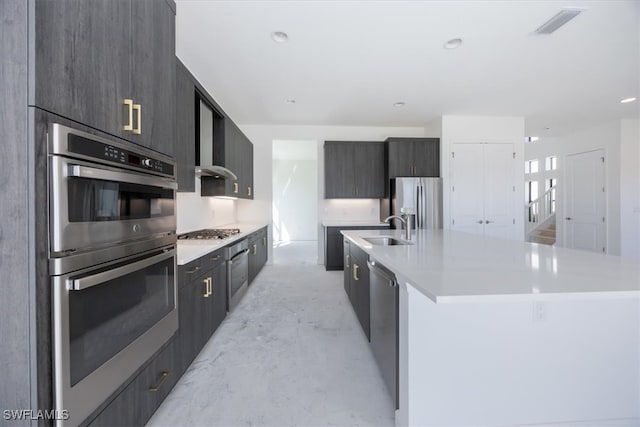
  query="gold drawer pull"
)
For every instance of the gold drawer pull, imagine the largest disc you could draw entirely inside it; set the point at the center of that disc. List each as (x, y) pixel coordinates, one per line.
(164, 377)
(138, 130)
(215, 258)
(264, 241)
(255, 249)
(347, 260)
(193, 271)
(248, 191)
(129, 104)
(356, 267)
(235, 188)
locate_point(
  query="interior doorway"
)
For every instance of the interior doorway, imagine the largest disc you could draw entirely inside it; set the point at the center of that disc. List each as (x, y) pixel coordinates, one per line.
(295, 192)
(584, 217)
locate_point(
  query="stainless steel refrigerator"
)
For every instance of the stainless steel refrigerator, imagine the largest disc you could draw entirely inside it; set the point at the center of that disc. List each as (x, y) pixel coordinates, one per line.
(422, 197)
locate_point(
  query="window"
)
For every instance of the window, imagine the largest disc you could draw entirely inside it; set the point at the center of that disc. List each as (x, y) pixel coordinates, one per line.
(551, 182)
(551, 197)
(550, 163)
(531, 166)
(531, 194)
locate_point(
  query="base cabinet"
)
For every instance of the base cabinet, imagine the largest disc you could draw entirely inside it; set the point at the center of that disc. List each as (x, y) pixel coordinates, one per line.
(140, 399)
(258, 252)
(357, 285)
(334, 247)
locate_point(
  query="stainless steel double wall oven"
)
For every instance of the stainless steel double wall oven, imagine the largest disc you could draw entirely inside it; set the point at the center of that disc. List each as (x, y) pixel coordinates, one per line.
(112, 263)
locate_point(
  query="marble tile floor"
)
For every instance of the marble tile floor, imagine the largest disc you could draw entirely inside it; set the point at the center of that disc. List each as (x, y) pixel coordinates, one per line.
(291, 354)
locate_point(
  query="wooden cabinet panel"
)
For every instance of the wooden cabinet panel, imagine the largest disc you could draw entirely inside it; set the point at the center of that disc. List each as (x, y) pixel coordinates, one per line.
(258, 252)
(339, 173)
(413, 157)
(219, 296)
(360, 287)
(354, 169)
(153, 73)
(82, 54)
(91, 55)
(139, 400)
(369, 167)
(185, 148)
(427, 157)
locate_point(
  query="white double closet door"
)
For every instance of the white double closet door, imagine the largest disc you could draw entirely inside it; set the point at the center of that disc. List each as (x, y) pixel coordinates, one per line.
(483, 189)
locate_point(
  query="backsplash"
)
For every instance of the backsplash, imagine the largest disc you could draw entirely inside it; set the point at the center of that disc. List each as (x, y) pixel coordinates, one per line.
(354, 209)
(195, 212)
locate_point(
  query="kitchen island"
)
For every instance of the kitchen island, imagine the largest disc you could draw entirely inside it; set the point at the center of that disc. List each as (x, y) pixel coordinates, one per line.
(498, 332)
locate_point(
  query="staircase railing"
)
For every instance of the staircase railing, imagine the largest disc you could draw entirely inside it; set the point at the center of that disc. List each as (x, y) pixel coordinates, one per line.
(539, 210)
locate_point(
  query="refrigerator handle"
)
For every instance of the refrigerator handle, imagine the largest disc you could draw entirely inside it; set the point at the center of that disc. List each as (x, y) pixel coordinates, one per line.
(423, 212)
(417, 224)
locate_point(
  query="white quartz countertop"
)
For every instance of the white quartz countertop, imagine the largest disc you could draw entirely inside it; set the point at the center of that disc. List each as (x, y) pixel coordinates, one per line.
(190, 250)
(449, 266)
(352, 223)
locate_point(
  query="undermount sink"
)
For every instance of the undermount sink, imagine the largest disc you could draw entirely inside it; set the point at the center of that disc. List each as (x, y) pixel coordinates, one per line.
(386, 241)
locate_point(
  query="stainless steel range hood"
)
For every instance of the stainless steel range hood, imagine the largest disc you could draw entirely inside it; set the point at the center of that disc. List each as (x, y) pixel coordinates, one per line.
(219, 172)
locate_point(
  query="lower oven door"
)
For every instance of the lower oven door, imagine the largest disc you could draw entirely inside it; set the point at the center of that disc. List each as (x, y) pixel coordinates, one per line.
(108, 321)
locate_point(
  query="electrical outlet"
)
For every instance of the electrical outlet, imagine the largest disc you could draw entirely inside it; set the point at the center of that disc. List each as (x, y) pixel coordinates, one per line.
(539, 311)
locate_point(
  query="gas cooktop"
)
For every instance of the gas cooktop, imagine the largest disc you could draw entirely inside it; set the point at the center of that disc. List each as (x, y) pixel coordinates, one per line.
(210, 234)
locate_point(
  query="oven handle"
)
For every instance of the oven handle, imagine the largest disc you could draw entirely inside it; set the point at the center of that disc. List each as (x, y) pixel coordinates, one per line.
(107, 175)
(239, 254)
(96, 279)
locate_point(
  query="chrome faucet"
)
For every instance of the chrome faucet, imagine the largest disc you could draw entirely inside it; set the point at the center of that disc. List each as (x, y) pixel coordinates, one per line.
(406, 221)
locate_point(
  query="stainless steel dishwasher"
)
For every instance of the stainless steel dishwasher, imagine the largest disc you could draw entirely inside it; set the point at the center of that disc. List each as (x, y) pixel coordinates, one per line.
(384, 324)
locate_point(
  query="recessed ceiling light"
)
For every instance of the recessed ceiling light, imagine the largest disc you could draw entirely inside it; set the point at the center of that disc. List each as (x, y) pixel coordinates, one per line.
(626, 100)
(279, 37)
(453, 44)
(398, 104)
(290, 101)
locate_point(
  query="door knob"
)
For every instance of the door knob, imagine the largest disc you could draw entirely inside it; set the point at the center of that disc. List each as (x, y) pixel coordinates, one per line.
(568, 218)
(479, 222)
(488, 222)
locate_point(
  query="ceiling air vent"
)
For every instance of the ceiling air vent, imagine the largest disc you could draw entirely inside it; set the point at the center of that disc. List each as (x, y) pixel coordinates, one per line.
(561, 18)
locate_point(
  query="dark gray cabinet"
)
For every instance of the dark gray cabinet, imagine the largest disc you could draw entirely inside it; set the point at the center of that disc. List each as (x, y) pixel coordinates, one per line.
(357, 285)
(233, 150)
(92, 55)
(413, 157)
(258, 252)
(354, 169)
(347, 265)
(144, 394)
(333, 245)
(185, 145)
(202, 304)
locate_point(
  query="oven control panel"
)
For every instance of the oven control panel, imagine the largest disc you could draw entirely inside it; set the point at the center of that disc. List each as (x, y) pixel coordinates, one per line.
(110, 153)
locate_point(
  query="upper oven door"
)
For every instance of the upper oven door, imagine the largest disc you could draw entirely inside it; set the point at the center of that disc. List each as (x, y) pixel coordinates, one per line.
(93, 205)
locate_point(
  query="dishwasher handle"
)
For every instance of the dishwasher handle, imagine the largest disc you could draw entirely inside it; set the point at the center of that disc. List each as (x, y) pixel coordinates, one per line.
(382, 271)
(239, 254)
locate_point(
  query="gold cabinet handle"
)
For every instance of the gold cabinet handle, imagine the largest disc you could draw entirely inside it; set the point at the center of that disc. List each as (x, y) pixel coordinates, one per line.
(248, 191)
(255, 249)
(138, 129)
(210, 288)
(356, 267)
(235, 188)
(163, 378)
(206, 287)
(264, 241)
(216, 257)
(193, 271)
(347, 260)
(129, 104)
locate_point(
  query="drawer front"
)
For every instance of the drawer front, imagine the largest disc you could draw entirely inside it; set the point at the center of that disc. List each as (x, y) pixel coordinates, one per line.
(212, 260)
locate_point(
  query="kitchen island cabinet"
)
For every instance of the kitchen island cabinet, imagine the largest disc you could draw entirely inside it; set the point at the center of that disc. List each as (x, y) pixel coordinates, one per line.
(513, 332)
(333, 241)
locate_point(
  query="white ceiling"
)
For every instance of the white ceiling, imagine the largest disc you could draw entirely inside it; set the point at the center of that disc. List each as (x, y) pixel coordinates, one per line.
(347, 62)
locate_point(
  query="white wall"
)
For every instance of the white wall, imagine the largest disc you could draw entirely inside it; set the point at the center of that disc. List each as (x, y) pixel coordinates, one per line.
(604, 136)
(473, 129)
(295, 202)
(263, 136)
(630, 188)
(195, 212)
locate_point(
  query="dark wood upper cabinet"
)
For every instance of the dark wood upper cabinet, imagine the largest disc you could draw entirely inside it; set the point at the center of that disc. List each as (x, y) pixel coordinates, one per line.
(413, 157)
(185, 148)
(354, 169)
(92, 55)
